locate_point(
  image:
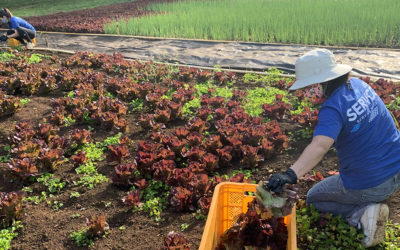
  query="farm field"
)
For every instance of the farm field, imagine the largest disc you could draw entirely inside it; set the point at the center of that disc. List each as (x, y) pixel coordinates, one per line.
(23, 8)
(90, 20)
(369, 23)
(343, 22)
(97, 138)
(99, 152)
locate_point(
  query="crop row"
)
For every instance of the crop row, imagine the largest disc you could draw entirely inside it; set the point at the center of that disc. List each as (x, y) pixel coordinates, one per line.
(341, 22)
(90, 20)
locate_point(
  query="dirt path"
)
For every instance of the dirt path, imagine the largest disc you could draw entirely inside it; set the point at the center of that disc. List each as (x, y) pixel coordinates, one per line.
(234, 55)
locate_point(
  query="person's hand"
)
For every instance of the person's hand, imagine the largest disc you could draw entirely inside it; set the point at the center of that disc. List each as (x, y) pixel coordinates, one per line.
(3, 38)
(276, 181)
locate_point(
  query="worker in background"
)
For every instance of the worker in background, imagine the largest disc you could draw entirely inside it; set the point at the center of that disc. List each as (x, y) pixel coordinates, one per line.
(18, 28)
(356, 122)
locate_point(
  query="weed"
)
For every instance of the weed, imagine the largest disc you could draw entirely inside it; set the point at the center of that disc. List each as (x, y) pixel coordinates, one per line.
(68, 121)
(71, 94)
(325, 231)
(273, 75)
(110, 95)
(36, 199)
(199, 215)
(6, 158)
(27, 189)
(217, 68)
(93, 152)
(137, 104)
(24, 101)
(91, 180)
(392, 236)
(184, 226)
(81, 238)
(35, 58)
(257, 97)
(155, 199)
(223, 92)
(74, 195)
(301, 134)
(112, 140)
(54, 185)
(55, 205)
(247, 172)
(190, 107)
(5, 56)
(8, 234)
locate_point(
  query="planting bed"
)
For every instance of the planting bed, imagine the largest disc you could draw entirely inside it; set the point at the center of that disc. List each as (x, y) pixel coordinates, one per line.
(90, 20)
(144, 146)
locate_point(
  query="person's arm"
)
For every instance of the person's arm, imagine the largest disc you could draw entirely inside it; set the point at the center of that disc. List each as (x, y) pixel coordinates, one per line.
(312, 154)
(330, 124)
(14, 26)
(14, 35)
(310, 157)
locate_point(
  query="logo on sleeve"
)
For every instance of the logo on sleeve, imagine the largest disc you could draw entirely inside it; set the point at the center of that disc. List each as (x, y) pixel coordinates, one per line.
(355, 128)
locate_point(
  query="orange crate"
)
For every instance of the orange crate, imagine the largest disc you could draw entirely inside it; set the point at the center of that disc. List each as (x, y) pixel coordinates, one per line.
(229, 200)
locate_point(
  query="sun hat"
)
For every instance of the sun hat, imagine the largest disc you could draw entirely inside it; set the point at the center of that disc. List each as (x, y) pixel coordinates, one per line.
(317, 66)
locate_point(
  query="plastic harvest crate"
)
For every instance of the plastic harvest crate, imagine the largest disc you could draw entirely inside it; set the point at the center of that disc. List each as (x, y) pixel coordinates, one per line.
(14, 42)
(229, 200)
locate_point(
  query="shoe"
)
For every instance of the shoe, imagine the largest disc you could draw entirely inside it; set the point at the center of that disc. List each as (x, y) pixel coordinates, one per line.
(373, 222)
(30, 45)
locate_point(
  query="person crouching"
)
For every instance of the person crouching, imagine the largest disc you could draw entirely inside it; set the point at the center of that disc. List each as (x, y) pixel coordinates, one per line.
(18, 29)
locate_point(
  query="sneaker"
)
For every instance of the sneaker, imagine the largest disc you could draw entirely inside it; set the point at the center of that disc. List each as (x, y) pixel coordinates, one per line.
(373, 222)
(30, 45)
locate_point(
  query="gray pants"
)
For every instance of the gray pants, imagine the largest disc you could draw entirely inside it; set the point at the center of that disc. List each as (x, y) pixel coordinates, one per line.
(330, 196)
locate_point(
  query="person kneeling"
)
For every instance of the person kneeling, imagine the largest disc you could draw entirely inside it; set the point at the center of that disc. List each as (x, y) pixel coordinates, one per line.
(19, 29)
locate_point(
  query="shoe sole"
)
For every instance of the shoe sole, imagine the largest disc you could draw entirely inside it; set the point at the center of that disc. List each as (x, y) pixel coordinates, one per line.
(379, 235)
(381, 223)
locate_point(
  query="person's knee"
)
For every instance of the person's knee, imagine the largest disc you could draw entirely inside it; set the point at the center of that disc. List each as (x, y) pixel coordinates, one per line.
(310, 197)
(20, 31)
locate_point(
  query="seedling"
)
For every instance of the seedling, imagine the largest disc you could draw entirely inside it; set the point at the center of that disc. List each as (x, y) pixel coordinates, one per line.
(55, 205)
(25, 101)
(184, 226)
(74, 195)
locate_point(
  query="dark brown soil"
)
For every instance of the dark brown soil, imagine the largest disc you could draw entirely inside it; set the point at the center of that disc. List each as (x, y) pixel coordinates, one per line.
(45, 228)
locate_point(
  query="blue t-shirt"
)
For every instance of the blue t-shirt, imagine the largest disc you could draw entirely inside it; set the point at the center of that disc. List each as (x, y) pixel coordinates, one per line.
(366, 138)
(16, 22)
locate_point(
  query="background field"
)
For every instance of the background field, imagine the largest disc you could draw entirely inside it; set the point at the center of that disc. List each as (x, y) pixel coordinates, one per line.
(25, 8)
(341, 22)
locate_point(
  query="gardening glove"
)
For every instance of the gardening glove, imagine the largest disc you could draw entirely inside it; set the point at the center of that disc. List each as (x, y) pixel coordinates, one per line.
(276, 181)
(3, 38)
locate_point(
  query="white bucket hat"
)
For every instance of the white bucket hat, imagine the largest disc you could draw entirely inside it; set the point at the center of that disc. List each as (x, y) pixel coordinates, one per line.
(317, 66)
